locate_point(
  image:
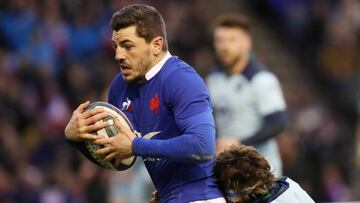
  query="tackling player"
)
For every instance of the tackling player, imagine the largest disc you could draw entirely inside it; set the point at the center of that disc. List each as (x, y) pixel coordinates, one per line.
(244, 176)
(166, 100)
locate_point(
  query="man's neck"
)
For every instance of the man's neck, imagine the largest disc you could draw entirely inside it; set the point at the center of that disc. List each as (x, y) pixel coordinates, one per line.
(158, 62)
(158, 58)
(240, 66)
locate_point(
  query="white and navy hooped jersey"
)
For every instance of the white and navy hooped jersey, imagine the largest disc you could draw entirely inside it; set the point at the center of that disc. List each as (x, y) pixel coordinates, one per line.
(241, 102)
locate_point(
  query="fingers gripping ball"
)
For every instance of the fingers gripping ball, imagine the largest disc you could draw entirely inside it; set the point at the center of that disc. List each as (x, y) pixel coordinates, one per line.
(109, 131)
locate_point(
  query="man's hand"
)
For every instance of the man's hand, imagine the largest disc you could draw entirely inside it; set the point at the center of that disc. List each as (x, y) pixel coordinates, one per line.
(155, 197)
(118, 146)
(225, 143)
(82, 123)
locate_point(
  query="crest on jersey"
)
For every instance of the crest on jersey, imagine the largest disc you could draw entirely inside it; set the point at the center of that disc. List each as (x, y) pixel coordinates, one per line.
(155, 103)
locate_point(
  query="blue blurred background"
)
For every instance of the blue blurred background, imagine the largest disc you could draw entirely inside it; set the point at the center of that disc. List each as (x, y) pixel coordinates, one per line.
(55, 54)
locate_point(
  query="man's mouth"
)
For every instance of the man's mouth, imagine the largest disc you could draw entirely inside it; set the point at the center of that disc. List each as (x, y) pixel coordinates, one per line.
(124, 66)
(125, 69)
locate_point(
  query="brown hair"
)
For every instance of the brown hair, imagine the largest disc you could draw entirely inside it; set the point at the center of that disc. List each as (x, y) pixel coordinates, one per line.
(243, 171)
(233, 20)
(148, 21)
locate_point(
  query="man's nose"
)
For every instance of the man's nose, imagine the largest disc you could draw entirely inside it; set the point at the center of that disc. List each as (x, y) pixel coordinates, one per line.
(119, 54)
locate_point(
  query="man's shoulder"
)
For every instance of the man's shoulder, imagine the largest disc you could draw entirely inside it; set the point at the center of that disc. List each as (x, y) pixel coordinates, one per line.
(264, 78)
(119, 86)
(289, 191)
(215, 75)
(254, 69)
(118, 81)
(279, 187)
(177, 75)
(176, 69)
(258, 75)
(174, 64)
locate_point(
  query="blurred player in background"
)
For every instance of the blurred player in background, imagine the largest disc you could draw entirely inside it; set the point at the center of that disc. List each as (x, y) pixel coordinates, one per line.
(248, 101)
(165, 99)
(245, 177)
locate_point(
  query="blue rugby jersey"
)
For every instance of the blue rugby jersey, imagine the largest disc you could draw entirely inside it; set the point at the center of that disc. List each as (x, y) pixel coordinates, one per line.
(174, 107)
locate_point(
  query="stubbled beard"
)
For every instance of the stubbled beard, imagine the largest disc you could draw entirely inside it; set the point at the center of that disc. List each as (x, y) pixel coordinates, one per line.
(140, 78)
(136, 80)
(228, 66)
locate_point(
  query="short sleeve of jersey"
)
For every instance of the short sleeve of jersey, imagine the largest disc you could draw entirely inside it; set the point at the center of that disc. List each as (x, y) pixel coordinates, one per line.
(188, 97)
(268, 94)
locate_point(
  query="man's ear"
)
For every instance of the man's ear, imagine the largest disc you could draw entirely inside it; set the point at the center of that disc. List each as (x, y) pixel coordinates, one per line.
(157, 45)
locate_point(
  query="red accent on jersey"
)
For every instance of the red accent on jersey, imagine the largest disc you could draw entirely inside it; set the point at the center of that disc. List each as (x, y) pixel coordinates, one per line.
(155, 103)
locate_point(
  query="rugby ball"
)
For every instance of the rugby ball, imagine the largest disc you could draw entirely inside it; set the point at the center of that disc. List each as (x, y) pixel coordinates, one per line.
(109, 131)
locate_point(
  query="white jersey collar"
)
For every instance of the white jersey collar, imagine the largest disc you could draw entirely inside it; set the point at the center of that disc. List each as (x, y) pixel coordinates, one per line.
(155, 69)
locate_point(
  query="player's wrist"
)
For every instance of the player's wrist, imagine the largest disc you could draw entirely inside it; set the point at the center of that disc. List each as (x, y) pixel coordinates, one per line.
(70, 137)
(135, 146)
(132, 136)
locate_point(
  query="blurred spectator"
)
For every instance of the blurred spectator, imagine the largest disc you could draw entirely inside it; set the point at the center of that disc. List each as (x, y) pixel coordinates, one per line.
(85, 35)
(39, 53)
(17, 23)
(335, 189)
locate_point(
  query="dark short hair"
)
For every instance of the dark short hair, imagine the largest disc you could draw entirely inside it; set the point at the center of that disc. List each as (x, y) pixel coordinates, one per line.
(148, 21)
(244, 171)
(233, 20)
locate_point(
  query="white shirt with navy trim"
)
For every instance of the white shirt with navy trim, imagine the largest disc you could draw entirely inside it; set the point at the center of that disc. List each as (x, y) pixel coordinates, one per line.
(241, 101)
(294, 194)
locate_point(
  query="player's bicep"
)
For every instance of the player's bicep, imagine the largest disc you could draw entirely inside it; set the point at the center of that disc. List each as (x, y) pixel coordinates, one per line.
(188, 98)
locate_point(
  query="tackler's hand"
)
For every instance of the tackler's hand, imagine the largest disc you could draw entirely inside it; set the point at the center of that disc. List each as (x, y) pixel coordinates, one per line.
(83, 122)
(225, 143)
(155, 197)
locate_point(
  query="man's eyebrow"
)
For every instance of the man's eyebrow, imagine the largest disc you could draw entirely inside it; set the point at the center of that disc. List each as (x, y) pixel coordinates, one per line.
(125, 41)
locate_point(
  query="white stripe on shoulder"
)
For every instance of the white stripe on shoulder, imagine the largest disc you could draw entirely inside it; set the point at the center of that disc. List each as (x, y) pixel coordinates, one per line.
(216, 200)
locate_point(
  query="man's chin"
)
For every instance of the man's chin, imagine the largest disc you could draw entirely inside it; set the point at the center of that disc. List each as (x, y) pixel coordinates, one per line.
(128, 79)
(131, 79)
(225, 62)
(228, 64)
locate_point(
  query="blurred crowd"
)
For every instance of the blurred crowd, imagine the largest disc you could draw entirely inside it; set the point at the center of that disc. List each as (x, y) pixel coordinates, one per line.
(325, 37)
(55, 54)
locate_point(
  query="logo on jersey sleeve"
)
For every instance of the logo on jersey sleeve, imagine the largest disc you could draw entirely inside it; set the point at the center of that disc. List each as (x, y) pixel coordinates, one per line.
(155, 103)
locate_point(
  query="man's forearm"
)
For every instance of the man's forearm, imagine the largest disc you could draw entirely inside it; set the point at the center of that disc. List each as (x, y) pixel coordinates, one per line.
(195, 147)
(273, 125)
